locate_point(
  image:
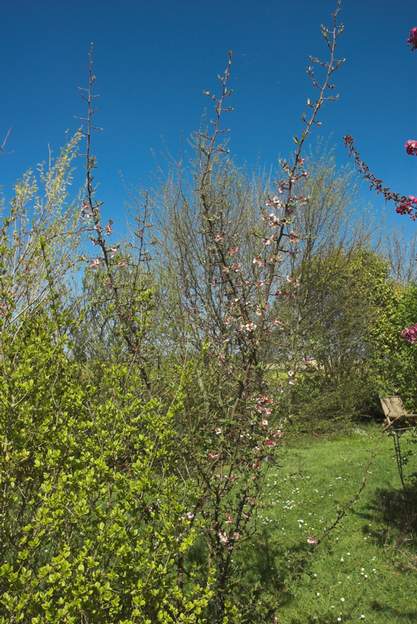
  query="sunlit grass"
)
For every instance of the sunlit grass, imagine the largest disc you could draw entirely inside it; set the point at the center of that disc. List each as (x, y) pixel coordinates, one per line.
(366, 569)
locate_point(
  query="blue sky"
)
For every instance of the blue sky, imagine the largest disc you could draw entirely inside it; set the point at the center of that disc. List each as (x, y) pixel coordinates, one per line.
(154, 59)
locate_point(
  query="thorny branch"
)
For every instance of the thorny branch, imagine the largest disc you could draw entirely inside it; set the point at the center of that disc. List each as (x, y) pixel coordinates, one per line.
(92, 209)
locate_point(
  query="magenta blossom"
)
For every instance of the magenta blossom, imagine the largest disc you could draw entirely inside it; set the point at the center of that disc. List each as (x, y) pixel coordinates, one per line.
(410, 334)
(407, 206)
(411, 147)
(412, 38)
(404, 208)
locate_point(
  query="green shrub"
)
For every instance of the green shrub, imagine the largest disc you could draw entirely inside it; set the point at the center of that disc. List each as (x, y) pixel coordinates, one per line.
(91, 519)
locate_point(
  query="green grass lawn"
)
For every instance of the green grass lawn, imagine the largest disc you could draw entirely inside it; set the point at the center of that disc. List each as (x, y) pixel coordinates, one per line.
(366, 569)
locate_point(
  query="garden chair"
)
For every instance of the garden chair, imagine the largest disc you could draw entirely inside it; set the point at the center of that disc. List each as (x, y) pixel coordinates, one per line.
(396, 416)
(397, 421)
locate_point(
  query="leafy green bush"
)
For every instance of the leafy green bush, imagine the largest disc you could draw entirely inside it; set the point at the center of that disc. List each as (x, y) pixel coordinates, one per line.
(91, 519)
(352, 313)
(395, 362)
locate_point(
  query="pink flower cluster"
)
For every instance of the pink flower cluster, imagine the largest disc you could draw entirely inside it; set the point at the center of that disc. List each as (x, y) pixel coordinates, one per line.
(263, 405)
(275, 436)
(404, 205)
(412, 38)
(407, 207)
(411, 147)
(312, 540)
(410, 334)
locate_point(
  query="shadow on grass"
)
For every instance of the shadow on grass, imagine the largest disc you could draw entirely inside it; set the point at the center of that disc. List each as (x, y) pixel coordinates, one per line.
(395, 614)
(396, 513)
(269, 564)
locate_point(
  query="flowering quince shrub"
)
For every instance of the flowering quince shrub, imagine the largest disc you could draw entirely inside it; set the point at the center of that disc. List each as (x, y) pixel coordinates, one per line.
(404, 205)
(230, 263)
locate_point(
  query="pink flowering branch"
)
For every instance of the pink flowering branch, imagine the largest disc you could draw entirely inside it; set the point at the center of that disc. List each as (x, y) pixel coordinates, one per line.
(412, 39)
(229, 269)
(405, 205)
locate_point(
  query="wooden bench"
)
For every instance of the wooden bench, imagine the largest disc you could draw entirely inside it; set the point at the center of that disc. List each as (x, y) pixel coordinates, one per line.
(396, 416)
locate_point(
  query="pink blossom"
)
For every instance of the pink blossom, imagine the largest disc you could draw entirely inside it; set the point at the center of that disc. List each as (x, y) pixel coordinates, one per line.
(95, 263)
(274, 202)
(223, 537)
(258, 261)
(273, 220)
(406, 207)
(85, 209)
(261, 409)
(263, 398)
(312, 540)
(411, 147)
(412, 38)
(263, 404)
(410, 334)
(109, 227)
(249, 327)
(213, 456)
(270, 442)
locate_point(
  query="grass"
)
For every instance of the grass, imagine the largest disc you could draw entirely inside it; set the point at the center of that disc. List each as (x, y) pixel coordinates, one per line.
(366, 569)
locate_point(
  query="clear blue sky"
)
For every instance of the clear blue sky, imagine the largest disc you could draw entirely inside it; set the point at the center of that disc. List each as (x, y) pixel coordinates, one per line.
(153, 60)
